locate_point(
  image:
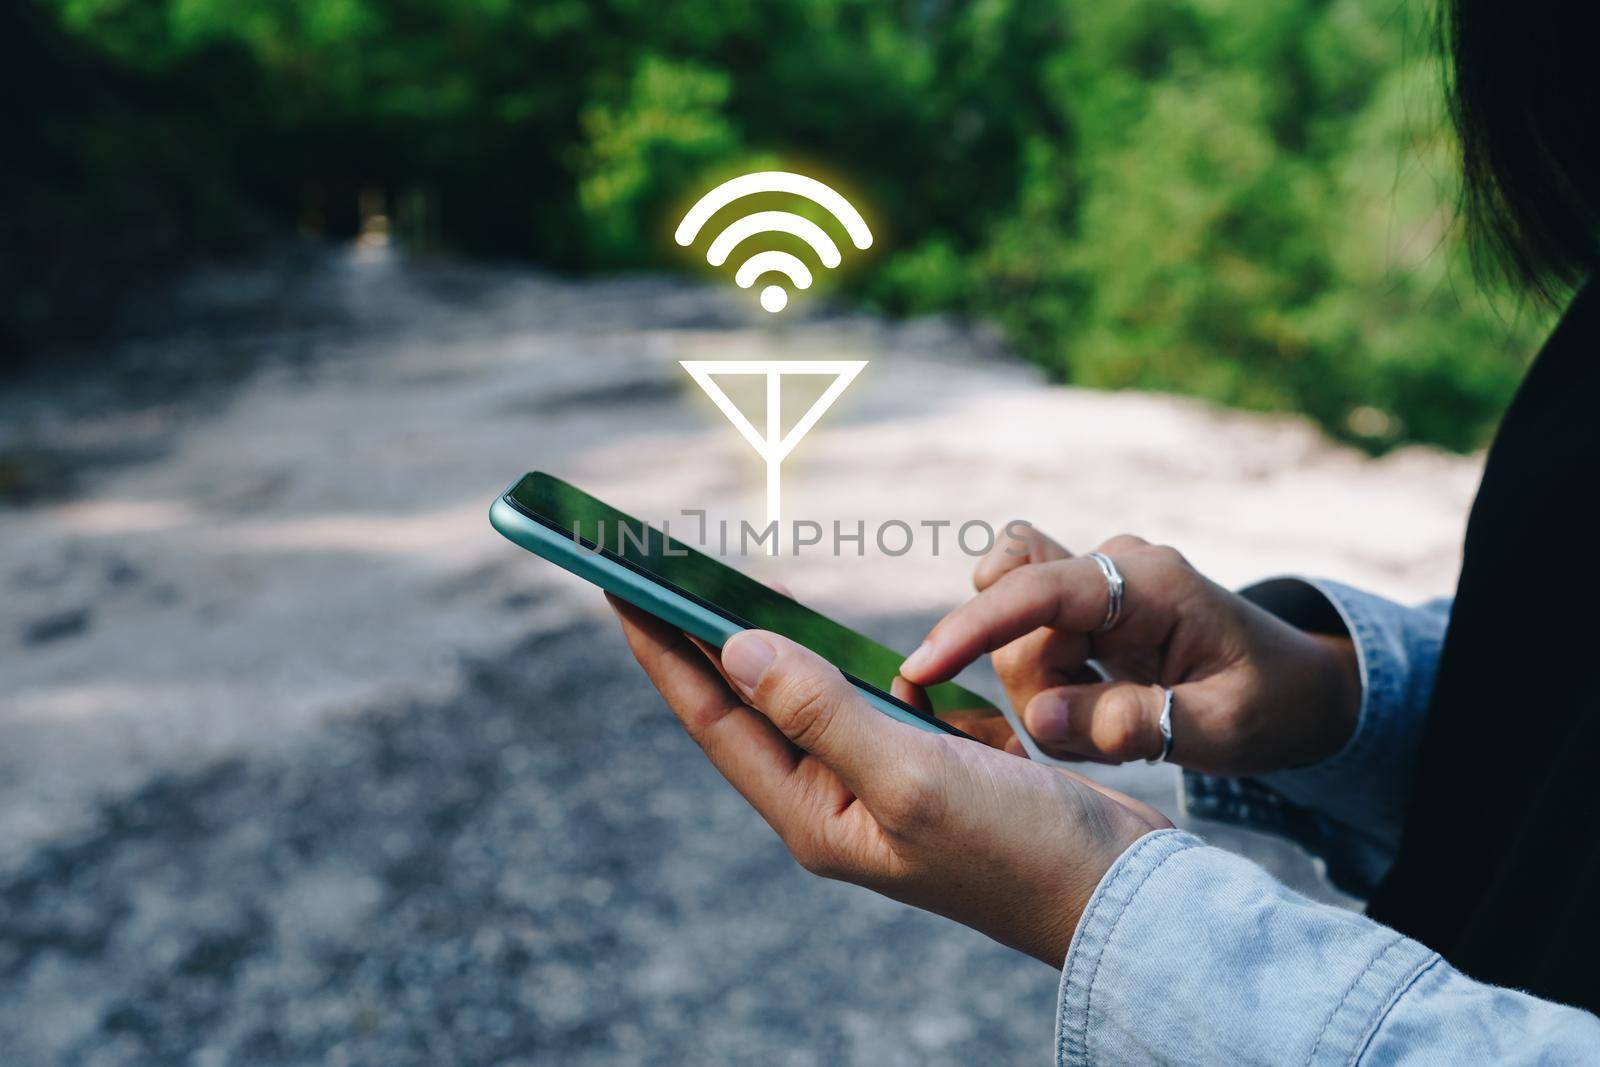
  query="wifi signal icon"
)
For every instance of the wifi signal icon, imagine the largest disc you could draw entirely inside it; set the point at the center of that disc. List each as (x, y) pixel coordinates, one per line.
(773, 297)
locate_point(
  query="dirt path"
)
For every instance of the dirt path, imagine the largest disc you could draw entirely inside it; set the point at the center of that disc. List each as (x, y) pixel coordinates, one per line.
(299, 762)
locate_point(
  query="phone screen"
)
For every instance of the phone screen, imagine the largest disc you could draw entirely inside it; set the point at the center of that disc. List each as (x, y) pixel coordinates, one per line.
(738, 597)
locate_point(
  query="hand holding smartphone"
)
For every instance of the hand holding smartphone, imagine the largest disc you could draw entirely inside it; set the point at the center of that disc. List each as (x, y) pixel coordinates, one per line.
(711, 601)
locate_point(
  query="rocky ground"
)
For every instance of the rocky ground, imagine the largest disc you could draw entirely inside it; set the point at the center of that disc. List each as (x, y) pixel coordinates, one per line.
(300, 763)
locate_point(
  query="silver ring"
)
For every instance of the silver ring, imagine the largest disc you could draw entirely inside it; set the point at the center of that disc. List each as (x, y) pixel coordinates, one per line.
(1114, 587)
(1165, 725)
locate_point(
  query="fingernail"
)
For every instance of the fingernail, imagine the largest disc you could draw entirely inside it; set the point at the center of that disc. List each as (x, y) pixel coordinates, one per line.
(746, 658)
(1047, 717)
(917, 660)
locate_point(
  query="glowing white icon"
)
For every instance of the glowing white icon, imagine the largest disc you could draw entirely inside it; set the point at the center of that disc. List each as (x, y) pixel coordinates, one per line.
(773, 297)
(774, 446)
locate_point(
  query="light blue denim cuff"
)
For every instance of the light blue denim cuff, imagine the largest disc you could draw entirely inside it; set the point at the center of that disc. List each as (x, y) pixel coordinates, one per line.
(1189, 954)
(1349, 808)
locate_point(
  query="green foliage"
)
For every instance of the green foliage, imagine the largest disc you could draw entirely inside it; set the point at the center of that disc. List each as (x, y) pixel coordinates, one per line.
(1256, 208)
(644, 149)
(1249, 202)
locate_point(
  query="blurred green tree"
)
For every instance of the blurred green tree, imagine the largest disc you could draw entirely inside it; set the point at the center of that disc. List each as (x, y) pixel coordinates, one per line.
(1249, 202)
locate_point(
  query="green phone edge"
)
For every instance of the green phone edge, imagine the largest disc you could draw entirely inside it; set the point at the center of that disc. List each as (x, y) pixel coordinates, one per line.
(642, 593)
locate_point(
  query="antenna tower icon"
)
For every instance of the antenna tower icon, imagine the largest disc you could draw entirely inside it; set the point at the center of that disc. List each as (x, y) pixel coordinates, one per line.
(773, 445)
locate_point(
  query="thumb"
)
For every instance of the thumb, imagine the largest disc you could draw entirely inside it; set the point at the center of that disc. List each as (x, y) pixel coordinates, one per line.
(813, 705)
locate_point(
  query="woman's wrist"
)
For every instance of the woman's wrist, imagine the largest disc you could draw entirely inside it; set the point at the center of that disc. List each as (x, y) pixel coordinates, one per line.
(1338, 692)
(1118, 831)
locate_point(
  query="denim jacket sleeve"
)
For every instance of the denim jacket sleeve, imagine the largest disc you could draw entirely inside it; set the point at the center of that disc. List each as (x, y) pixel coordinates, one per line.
(1349, 808)
(1189, 954)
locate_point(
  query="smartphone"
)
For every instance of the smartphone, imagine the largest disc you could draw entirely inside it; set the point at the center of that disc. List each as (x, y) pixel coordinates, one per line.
(706, 598)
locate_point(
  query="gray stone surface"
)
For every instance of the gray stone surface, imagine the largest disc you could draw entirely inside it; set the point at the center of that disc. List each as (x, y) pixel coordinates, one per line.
(542, 868)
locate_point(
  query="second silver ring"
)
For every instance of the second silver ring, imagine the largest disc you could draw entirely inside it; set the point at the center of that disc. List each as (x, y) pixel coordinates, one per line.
(1164, 724)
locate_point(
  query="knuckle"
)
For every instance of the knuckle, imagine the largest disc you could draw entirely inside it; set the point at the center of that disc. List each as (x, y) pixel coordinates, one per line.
(817, 856)
(1018, 578)
(1010, 660)
(1168, 559)
(1136, 729)
(1124, 542)
(913, 796)
(1127, 746)
(807, 714)
(1122, 733)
